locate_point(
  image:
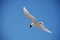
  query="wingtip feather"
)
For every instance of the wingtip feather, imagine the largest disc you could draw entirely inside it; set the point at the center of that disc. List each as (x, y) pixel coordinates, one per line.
(49, 31)
(23, 7)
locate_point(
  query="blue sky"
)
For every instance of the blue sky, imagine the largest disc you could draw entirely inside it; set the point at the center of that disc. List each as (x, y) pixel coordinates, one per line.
(16, 26)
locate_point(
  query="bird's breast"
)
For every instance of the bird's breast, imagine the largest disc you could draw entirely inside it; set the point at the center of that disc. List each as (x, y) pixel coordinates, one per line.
(39, 24)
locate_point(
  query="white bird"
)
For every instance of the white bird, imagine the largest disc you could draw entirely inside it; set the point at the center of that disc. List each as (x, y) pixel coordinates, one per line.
(34, 22)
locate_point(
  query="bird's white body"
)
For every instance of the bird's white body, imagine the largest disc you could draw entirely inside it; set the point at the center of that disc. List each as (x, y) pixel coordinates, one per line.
(34, 22)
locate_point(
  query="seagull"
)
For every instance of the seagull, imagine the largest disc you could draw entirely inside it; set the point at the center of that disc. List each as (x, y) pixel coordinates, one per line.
(34, 22)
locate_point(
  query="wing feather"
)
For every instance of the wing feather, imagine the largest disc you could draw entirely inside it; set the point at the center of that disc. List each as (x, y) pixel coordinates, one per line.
(44, 29)
(29, 15)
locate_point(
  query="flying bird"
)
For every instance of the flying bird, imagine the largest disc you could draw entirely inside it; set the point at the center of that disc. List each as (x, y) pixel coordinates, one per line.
(34, 22)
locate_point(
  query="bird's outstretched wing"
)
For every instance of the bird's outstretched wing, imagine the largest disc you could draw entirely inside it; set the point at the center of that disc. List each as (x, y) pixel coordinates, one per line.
(29, 15)
(44, 29)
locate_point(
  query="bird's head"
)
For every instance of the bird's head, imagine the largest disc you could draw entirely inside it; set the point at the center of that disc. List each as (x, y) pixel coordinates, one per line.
(30, 25)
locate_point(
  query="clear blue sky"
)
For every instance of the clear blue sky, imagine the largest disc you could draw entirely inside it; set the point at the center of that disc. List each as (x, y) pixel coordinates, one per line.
(16, 26)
